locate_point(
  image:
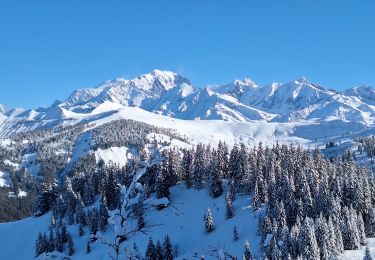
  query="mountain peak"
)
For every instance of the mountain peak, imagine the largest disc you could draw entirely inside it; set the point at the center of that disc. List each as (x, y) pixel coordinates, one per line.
(3, 109)
(244, 82)
(157, 72)
(302, 80)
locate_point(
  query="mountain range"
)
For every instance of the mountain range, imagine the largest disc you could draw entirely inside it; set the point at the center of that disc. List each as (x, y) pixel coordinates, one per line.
(170, 94)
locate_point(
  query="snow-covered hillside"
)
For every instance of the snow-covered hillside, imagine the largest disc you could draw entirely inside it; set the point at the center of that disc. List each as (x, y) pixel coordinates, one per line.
(182, 222)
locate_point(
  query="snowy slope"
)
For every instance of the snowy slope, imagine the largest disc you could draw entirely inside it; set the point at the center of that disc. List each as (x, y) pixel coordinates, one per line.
(182, 221)
(18, 243)
(206, 131)
(115, 155)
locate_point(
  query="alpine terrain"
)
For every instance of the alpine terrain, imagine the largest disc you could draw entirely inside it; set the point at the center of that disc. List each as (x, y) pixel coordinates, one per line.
(156, 168)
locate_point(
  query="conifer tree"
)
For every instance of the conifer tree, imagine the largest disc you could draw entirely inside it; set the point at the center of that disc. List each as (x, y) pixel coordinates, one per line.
(229, 207)
(247, 253)
(162, 188)
(88, 247)
(256, 200)
(139, 212)
(59, 245)
(70, 248)
(235, 234)
(94, 224)
(112, 191)
(150, 251)
(50, 243)
(159, 251)
(209, 223)
(199, 166)
(39, 245)
(308, 245)
(81, 231)
(367, 254)
(168, 252)
(215, 183)
(187, 167)
(103, 216)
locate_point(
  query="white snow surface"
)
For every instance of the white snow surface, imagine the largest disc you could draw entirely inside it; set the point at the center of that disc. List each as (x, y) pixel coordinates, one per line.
(114, 155)
(5, 181)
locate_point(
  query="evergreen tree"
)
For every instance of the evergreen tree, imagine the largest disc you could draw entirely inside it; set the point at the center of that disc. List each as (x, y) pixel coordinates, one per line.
(222, 157)
(233, 164)
(94, 224)
(247, 253)
(209, 223)
(367, 254)
(215, 183)
(71, 249)
(168, 252)
(229, 207)
(159, 251)
(70, 199)
(45, 198)
(150, 251)
(235, 234)
(139, 213)
(88, 247)
(40, 245)
(135, 254)
(112, 191)
(103, 216)
(81, 231)
(349, 229)
(199, 167)
(308, 245)
(59, 244)
(162, 188)
(88, 194)
(256, 201)
(80, 213)
(64, 233)
(187, 167)
(173, 171)
(50, 243)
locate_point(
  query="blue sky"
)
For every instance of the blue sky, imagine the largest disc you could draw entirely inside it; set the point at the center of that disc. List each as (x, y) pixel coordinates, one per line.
(49, 48)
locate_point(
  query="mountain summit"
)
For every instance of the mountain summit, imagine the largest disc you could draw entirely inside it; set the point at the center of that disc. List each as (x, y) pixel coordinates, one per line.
(125, 92)
(3, 109)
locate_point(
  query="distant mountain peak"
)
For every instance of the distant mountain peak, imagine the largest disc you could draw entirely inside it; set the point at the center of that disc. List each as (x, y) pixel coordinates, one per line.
(128, 92)
(3, 109)
(302, 79)
(245, 81)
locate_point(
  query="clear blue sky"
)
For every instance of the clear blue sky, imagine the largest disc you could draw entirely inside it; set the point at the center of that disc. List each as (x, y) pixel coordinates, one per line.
(49, 48)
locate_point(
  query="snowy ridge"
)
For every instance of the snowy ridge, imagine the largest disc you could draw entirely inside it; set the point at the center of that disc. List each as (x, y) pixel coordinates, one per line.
(170, 94)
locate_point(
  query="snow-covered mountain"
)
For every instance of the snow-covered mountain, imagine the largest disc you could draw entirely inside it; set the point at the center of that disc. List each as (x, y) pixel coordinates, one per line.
(3, 109)
(170, 94)
(126, 92)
